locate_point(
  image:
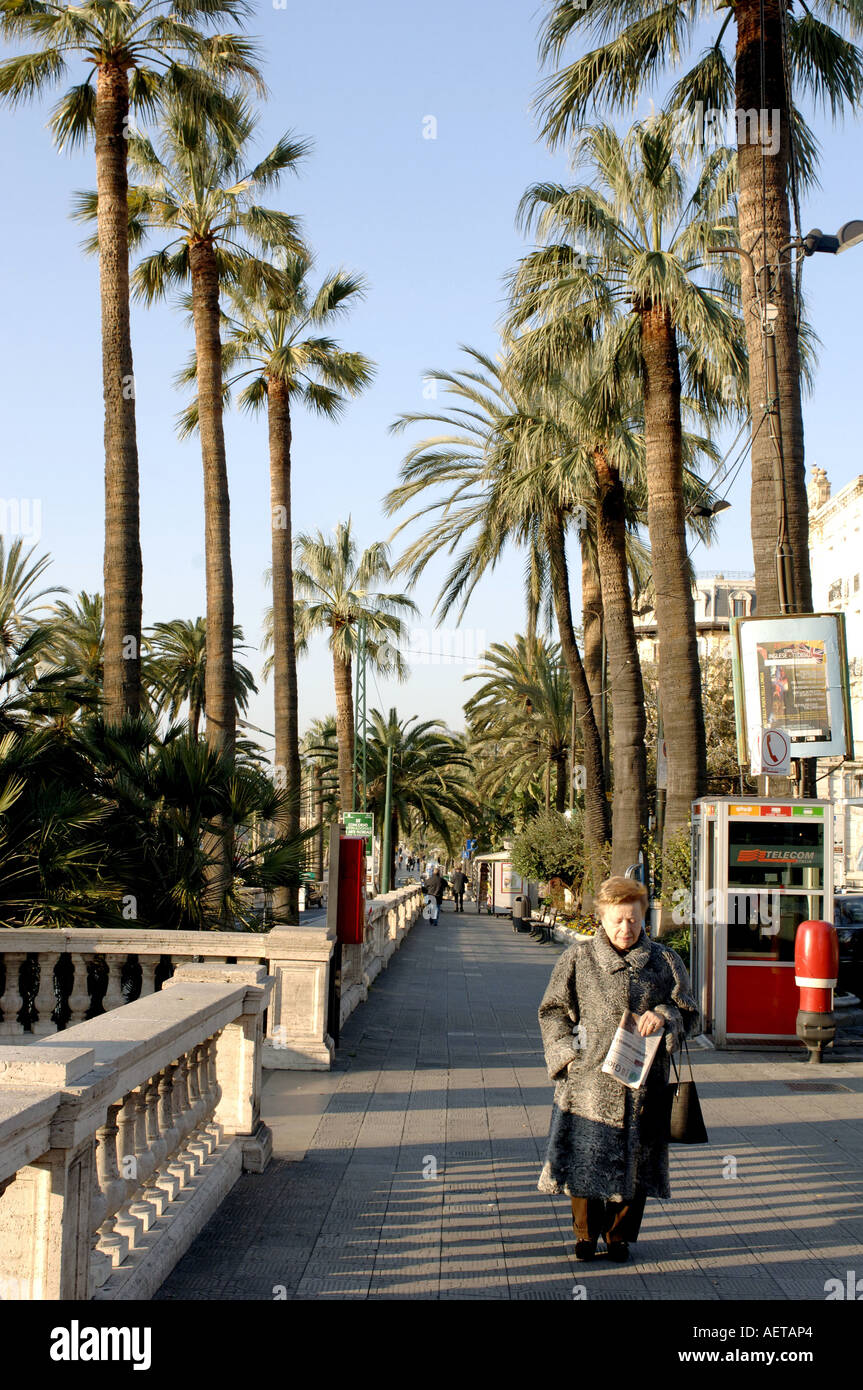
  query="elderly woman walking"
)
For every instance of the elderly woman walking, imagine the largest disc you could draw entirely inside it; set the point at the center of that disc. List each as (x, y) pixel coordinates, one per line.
(608, 1146)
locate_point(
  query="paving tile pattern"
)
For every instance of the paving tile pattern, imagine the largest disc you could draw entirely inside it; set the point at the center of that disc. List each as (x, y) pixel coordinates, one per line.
(420, 1179)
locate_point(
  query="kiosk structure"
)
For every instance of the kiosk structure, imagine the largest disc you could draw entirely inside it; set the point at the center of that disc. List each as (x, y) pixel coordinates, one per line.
(759, 869)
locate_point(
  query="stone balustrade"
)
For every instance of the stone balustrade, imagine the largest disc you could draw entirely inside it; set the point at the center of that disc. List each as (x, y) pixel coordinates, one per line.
(389, 918)
(52, 981)
(120, 1136)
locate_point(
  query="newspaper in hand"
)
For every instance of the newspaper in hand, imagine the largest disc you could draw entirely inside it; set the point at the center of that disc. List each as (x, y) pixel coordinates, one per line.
(630, 1055)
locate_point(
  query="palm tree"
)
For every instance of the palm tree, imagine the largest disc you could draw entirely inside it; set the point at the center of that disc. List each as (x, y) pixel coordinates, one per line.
(474, 460)
(76, 648)
(337, 590)
(320, 753)
(138, 53)
(666, 322)
(523, 709)
(775, 45)
(275, 333)
(20, 609)
(176, 672)
(202, 189)
(430, 778)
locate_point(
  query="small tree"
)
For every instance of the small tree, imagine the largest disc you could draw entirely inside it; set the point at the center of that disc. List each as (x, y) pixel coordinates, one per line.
(551, 846)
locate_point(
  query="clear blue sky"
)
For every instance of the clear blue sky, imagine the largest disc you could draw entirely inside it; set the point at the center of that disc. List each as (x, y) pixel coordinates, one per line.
(430, 223)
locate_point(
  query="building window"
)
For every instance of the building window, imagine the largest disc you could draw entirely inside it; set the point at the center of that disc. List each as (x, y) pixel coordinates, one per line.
(739, 607)
(834, 593)
(856, 582)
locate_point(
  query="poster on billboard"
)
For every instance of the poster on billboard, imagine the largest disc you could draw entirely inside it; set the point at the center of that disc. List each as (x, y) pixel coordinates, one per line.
(791, 677)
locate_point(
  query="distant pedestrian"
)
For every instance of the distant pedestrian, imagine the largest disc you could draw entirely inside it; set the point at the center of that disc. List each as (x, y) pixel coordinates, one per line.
(607, 1149)
(436, 885)
(459, 883)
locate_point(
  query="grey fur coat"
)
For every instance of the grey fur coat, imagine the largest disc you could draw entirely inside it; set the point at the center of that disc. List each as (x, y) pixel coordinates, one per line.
(606, 1139)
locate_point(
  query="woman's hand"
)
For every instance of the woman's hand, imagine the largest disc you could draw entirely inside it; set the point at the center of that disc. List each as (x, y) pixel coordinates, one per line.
(649, 1023)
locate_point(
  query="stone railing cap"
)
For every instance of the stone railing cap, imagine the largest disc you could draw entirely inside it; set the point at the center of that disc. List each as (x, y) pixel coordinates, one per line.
(53, 1065)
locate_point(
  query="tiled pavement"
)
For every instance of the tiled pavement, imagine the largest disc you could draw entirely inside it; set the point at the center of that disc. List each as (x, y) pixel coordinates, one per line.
(410, 1170)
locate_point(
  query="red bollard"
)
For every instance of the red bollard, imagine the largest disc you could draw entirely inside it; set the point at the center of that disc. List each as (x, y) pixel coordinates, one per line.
(816, 970)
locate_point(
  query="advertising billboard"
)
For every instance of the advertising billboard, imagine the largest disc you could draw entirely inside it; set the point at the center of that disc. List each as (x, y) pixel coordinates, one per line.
(791, 676)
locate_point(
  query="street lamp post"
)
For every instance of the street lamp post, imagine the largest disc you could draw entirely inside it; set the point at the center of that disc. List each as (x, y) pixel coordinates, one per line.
(386, 847)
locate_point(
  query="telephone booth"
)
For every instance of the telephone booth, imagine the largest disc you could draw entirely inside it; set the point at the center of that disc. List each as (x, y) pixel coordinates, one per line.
(759, 869)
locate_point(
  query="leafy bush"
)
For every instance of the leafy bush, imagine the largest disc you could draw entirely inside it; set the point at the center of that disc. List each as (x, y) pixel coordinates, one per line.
(551, 846)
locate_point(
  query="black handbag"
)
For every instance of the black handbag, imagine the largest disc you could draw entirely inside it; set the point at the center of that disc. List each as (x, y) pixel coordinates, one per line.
(685, 1120)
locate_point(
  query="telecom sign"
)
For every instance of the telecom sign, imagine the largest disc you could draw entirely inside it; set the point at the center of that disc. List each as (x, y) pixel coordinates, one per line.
(768, 856)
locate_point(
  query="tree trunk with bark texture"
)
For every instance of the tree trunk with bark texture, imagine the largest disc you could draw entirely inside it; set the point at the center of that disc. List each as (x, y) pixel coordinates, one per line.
(344, 730)
(764, 207)
(318, 797)
(123, 573)
(219, 698)
(591, 621)
(597, 819)
(679, 671)
(287, 735)
(560, 785)
(629, 809)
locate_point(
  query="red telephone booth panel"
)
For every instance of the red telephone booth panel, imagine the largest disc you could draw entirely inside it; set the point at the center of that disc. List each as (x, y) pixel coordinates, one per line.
(352, 895)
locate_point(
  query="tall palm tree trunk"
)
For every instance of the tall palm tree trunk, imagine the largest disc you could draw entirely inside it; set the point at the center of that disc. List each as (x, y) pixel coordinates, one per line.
(679, 670)
(629, 809)
(318, 799)
(591, 622)
(765, 227)
(122, 565)
(285, 900)
(219, 699)
(344, 730)
(597, 821)
(560, 783)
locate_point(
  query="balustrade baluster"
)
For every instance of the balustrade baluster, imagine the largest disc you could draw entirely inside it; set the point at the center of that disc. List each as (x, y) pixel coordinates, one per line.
(130, 1223)
(158, 1196)
(145, 1159)
(46, 999)
(113, 997)
(149, 965)
(108, 1197)
(79, 996)
(214, 1090)
(10, 1002)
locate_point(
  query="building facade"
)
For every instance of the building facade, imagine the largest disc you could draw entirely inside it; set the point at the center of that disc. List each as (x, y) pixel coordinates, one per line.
(718, 597)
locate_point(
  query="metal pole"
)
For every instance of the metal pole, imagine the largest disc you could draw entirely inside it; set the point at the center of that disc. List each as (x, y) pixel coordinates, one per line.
(365, 707)
(385, 837)
(356, 721)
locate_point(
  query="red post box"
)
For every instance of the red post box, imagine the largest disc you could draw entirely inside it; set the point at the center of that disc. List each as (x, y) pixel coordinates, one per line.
(351, 919)
(816, 971)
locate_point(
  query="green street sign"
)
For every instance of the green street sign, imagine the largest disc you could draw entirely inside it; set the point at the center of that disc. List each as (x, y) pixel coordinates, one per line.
(360, 824)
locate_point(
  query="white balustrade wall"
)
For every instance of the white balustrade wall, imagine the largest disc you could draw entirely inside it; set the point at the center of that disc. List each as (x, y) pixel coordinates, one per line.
(120, 1136)
(53, 980)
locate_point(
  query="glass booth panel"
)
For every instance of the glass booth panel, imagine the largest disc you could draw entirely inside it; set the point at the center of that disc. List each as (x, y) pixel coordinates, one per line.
(762, 924)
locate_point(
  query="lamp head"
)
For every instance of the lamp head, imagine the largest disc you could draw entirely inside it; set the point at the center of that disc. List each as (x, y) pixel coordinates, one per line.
(851, 234)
